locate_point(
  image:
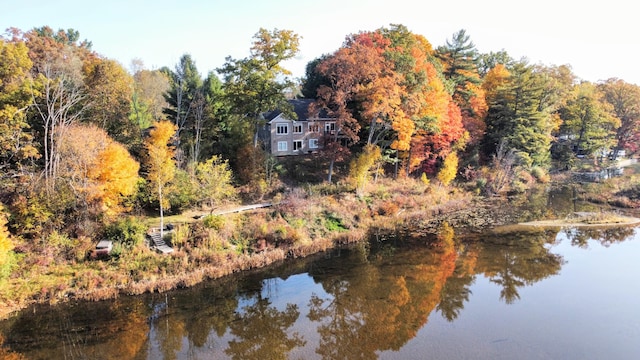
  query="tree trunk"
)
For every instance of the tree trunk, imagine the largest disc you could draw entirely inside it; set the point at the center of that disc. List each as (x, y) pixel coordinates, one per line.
(161, 211)
(331, 169)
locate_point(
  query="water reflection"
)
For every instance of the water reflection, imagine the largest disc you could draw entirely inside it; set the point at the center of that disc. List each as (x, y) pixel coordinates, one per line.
(261, 332)
(513, 260)
(354, 303)
(606, 236)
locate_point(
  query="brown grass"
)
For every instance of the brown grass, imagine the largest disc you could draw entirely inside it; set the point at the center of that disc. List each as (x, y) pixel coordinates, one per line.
(304, 223)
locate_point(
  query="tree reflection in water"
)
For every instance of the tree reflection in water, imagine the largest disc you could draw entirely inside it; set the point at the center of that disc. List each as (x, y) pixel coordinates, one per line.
(606, 236)
(261, 332)
(384, 300)
(514, 259)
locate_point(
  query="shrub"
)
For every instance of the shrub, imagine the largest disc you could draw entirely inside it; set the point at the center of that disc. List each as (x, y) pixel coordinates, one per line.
(180, 235)
(388, 208)
(129, 232)
(425, 179)
(540, 174)
(333, 223)
(215, 222)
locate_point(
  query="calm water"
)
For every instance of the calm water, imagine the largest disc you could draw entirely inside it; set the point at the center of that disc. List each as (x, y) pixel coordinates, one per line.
(509, 294)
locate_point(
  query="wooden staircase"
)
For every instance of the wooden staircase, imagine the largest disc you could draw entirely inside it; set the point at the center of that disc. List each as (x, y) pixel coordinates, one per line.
(158, 243)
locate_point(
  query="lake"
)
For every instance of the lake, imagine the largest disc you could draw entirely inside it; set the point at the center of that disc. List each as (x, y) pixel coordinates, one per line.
(512, 293)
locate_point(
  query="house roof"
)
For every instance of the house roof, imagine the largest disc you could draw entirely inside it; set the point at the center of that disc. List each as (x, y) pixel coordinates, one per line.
(300, 107)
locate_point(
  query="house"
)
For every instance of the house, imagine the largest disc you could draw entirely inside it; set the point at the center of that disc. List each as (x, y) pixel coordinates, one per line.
(283, 136)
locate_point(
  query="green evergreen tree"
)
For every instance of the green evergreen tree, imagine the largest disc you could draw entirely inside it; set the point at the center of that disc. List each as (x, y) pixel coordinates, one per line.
(459, 59)
(519, 115)
(183, 97)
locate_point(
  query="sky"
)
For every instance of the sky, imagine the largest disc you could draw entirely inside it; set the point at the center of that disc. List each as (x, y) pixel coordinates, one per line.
(597, 39)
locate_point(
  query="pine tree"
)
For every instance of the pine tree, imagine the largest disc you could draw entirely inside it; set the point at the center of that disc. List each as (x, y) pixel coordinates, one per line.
(518, 115)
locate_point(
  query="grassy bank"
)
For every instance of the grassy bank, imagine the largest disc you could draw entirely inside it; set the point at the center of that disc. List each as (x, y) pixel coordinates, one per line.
(304, 221)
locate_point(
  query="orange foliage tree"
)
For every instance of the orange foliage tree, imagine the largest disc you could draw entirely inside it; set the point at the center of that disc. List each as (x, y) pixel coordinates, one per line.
(458, 57)
(99, 169)
(387, 83)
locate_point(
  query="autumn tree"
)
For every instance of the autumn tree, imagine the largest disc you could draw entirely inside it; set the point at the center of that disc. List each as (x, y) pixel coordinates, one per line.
(150, 86)
(625, 99)
(47, 46)
(496, 79)
(458, 57)
(588, 123)
(385, 86)
(518, 114)
(6, 246)
(490, 60)
(342, 70)
(160, 162)
(360, 167)
(109, 88)
(99, 170)
(59, 105)
(16, 139)
(430, 125)
(449, 169)
(214, 178)
(58, 93)
(257, 84)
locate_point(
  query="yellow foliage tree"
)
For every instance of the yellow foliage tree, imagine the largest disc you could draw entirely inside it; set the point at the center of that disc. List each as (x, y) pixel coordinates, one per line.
(497, 77)
(360, 166)
(6, 245)
(116, 175)
(15, 97)
(99, 169)
(449, 169)
(161, 165)
(214, 178)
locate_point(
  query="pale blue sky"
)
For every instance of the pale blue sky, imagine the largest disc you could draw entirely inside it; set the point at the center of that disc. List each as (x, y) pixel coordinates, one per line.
(599, 40)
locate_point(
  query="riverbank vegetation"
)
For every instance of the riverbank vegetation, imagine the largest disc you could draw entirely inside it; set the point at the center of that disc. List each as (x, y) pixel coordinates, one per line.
(91, 151)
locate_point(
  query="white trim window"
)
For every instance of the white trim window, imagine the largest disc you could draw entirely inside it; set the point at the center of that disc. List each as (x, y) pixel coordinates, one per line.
(282, 146)
(330, 127)
(313, 143)
(297, 128)
(297, 145)
(314, 127)
(282, 129)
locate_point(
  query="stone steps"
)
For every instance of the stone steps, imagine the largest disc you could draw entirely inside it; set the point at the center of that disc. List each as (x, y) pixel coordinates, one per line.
(159, 244)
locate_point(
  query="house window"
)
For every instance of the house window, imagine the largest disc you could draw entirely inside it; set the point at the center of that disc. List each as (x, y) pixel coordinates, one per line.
(313, 143)
(297, 145)
(282, 129)
(330, 127)
(282, 146)
(314, 127)
(297, 128)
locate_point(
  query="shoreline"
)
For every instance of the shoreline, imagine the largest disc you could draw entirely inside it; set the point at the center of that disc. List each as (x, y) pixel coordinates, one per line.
(586, 220)
(237, 263)
(467, 214)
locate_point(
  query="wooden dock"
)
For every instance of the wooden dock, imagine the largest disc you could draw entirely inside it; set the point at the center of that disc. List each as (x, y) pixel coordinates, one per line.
(241, 209)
